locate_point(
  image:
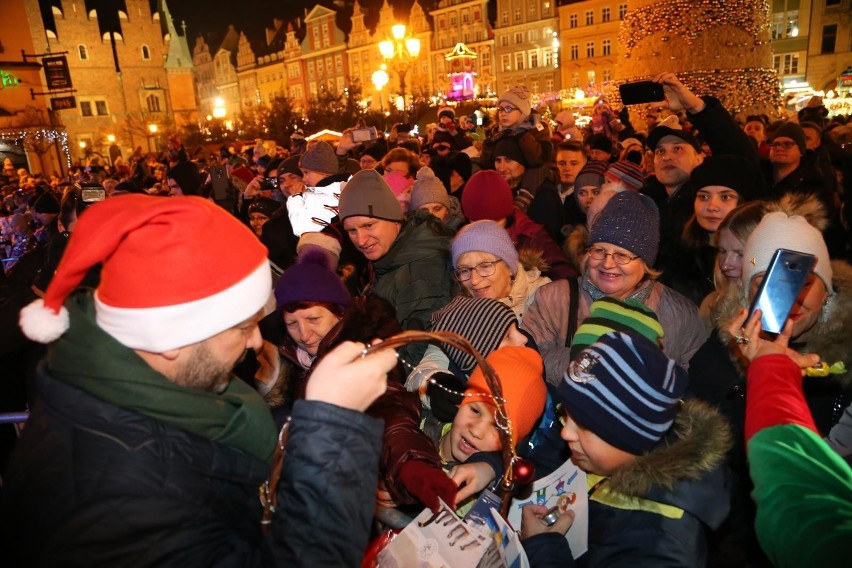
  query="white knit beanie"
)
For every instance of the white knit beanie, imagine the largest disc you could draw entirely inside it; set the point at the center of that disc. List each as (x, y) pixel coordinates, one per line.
(778, 230)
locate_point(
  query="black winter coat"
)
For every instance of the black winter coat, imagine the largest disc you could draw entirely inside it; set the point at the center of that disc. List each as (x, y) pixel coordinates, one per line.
(93, 484)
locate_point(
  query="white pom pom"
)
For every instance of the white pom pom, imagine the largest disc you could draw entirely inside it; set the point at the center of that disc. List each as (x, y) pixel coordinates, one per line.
(43, 324)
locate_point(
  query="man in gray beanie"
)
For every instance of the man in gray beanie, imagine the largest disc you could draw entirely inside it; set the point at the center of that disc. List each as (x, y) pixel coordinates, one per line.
(409, 259)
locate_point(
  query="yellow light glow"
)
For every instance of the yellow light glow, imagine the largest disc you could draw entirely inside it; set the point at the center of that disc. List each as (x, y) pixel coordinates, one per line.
(110, 138)
(82, 144)
(413, 46)
(152, 128)
(386, 49)
(579, 95)
(380, 79)
(398, 31)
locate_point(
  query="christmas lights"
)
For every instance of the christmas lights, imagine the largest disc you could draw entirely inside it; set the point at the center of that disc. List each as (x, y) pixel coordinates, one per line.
(51, 136)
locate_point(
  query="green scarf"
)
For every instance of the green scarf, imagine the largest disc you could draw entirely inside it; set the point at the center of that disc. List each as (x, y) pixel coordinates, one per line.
(91, 360)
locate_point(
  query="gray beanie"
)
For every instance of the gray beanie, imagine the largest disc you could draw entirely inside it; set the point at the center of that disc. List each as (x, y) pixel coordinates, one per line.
(631, 221)
(368, 194)
(485, 236)
(428, 189)
(320, 157)
(518, 97)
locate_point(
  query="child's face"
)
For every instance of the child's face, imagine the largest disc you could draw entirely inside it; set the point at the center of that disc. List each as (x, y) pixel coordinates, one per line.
(473, 431)
(589, 452)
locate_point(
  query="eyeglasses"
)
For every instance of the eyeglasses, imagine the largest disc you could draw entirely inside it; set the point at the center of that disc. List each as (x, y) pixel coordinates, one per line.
(441, 147)
(599, 253)
(507, 109)
(782, 145)
(483, 269)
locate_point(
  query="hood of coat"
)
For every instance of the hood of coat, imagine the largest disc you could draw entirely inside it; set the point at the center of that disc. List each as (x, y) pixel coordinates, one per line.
(694, 448)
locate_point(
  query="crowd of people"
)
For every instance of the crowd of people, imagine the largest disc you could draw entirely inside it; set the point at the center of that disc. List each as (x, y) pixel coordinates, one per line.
(174, 328)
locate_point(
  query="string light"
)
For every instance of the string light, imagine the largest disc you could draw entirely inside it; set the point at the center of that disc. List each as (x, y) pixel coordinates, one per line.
(51, 136)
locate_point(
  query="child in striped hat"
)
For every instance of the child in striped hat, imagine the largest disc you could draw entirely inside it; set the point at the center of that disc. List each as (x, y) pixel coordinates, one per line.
(655, 465)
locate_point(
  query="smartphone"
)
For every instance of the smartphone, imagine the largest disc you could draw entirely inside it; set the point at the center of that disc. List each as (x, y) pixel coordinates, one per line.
(91, 192)
(219, 182)
(782, 282)
(364, 134)
(641, 92)
(269, 183)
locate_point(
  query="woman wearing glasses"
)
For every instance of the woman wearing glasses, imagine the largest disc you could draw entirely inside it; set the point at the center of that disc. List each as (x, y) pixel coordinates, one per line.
(623, 242)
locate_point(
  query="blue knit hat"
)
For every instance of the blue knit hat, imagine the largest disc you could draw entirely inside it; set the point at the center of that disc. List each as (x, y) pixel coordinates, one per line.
(625, 390)
(631, 221)
(485, 236)
(311, 280)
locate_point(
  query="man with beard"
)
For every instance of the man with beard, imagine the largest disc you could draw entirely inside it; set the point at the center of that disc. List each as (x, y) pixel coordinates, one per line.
(140, 449)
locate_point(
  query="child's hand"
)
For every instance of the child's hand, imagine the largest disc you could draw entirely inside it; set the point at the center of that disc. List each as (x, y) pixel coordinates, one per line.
(471, 478)
(427, 483)
(532, 524)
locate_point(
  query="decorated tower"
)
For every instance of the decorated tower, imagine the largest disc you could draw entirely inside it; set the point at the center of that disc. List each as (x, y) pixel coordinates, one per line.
(716, 47)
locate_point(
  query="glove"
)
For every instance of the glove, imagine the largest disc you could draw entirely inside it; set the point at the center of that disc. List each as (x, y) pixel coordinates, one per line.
(427, 483)
(444, 403)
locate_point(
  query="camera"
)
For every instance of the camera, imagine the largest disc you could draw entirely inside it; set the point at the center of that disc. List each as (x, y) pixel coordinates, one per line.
(91, 192)
(269, 183)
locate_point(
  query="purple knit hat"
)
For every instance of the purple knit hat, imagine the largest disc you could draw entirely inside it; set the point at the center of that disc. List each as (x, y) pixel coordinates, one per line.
(310, 280)
(629, 220)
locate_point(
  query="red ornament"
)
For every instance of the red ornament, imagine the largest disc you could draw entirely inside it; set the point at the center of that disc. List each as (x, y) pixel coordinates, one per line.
(523, 472)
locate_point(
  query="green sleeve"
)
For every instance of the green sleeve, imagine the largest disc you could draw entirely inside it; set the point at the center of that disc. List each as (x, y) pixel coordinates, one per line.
(803, 491)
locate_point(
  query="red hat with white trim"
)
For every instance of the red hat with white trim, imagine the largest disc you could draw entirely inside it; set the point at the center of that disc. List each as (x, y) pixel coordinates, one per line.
(175, 271)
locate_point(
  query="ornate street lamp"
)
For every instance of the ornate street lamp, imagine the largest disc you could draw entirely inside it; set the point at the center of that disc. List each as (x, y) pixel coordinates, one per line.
(400, 52)
(380, 79)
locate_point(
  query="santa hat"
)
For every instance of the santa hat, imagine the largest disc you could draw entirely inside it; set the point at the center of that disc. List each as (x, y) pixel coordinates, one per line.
(175, 271)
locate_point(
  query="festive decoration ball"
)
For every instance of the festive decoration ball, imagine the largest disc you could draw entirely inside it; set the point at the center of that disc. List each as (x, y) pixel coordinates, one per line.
(523, 471)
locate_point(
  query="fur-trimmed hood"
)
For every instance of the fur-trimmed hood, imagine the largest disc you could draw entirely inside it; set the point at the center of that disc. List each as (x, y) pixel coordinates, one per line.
(694, 448)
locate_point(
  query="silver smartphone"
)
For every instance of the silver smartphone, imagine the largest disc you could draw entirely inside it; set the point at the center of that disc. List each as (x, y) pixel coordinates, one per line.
(782, 282)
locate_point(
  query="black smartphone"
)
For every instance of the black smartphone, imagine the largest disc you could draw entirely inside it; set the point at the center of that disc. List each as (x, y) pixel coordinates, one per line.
(641, 92)
(269, 183)
(219, 182)
(782, 282)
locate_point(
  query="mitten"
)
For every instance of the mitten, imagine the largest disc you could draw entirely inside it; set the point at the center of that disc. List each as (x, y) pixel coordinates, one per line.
(427, 483)
(443, 402)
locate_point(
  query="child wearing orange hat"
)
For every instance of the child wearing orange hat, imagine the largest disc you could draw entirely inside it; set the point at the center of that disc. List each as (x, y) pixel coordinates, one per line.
(476, 427)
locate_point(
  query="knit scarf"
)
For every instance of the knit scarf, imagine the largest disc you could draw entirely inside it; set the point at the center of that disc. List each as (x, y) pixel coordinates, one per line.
(640, 294)
(91, 360)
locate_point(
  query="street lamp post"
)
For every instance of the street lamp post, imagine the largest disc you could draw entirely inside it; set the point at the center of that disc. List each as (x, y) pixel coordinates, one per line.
(152, 130)
(400, 52)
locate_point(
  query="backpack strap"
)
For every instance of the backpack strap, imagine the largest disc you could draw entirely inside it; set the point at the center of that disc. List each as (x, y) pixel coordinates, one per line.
(574, 307)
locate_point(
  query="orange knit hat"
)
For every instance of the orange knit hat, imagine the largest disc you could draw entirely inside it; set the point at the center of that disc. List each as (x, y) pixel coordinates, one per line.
(520, 371)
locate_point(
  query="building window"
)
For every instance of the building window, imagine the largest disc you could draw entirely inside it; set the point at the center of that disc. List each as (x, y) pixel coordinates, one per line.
(575, 51)
(454, 21)
(153, 102)
(101, 108)
(84, 52)
(320, 67)
(517, 14)
(478, 35)
(791, 63)
(533, 60)
(519, 61)
(86, 108)
(505, 62)
(550, 85)
(485, 58)
(829, 38)
(590, 49)
(605, 14)
(504, 18)
(575, 80)
(532, 35)
(465, 18)
(146, 53)
(519, 37)
(338, 62)
(591, 77)
(548, 56)
(590, 17)
(531, 12)
(606, 45)
(572, 21)
(504, 41)
(545, 10)
(785, 24)
(622, 11)
(607, 75)
(535, 86)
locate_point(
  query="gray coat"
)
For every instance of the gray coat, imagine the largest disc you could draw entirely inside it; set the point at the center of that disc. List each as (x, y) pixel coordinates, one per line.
(547, 321)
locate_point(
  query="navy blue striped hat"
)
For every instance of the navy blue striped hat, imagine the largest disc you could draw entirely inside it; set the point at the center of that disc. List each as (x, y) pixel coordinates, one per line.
(625, 390)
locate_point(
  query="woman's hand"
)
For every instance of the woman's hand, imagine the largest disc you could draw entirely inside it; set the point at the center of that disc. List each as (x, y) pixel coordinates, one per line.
(532, 522)
(747, 336)
(471, 479)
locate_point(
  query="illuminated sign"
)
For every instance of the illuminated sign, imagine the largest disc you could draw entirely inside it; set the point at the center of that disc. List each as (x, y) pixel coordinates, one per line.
(461, 86)
(8, 80)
